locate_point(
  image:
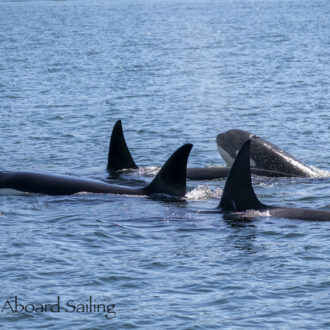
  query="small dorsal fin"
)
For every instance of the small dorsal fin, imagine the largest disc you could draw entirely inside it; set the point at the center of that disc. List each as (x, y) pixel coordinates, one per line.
(119, 156)
(238, 194)
(171, 179)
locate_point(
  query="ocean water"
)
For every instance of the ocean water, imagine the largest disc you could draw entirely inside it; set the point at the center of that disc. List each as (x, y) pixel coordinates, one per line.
(175, 72)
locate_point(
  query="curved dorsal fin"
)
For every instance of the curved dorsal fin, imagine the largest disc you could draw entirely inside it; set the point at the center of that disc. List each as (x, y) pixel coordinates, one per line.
(119, 156)
(171, 179)
(238, 194)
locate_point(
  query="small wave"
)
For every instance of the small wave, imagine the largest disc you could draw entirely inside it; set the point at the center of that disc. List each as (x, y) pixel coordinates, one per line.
(318, 173)
(249, 214)
(203, 192)
(253, 214)
(150, 170)
(216, 166)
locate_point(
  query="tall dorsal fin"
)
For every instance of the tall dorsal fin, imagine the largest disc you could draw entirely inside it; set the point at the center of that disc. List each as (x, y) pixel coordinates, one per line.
(119, 156)
(171, 179)
(238, 194)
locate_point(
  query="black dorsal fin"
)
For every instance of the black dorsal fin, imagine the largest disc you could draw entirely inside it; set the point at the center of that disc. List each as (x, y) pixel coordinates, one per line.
(238, 194)
(171, 179)
(119, 156)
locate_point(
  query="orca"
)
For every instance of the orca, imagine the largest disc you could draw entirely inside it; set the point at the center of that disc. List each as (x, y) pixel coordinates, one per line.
(239, 195)
(171, 180)
(263, 155)
(120, 158)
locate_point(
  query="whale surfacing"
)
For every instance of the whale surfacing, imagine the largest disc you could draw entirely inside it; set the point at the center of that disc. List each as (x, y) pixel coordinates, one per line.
(239, 195)
(120, 158)
(263, 154)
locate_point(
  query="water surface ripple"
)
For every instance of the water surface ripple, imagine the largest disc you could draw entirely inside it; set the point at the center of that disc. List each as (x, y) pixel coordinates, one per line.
(175, 72)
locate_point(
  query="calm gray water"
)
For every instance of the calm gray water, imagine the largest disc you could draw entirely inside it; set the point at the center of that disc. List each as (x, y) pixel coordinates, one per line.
(174, 72)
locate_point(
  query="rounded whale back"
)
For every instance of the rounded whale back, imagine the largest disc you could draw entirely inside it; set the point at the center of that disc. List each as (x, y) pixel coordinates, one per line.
(263, 154)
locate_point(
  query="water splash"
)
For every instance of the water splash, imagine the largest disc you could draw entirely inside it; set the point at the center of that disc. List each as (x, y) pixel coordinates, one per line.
(253, 214)
(320, 173)
(203, 192)
(150, 170)
(247, 215)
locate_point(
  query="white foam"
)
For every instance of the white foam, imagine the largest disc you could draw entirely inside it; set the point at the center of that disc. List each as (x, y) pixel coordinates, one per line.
(320, 173)
(253, 214)
(150, 170)
(203, 192)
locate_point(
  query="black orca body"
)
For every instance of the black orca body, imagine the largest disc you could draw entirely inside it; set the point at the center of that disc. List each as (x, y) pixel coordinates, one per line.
(171, 180)
(263, 154)
(120, 158)
(239, 196)
(212, 173)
